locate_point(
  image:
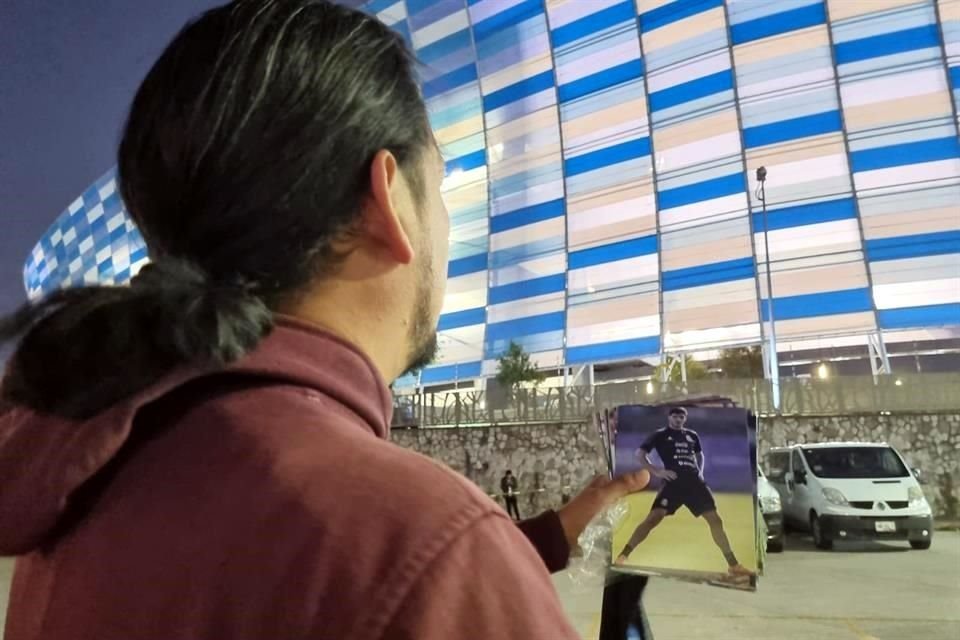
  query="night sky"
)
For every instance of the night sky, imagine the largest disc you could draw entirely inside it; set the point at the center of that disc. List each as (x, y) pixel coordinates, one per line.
(68, 71)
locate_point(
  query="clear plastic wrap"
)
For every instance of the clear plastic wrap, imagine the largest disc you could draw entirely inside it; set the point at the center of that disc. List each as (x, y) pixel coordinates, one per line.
(590, 564)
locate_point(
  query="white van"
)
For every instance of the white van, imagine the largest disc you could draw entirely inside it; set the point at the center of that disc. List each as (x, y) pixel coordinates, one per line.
(850, 491)
(772, 510)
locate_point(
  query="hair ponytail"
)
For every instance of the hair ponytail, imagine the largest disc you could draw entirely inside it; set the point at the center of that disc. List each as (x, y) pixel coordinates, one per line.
(84, 349)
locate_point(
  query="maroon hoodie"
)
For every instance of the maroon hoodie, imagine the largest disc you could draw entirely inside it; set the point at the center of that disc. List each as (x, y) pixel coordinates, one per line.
(263, 502)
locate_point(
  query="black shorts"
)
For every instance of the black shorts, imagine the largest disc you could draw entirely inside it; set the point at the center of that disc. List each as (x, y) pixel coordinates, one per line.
(689, 492)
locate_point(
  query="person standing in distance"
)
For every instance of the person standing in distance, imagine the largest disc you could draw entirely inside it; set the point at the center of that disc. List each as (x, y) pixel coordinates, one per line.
(683, 461)
(205, 453)
(508, 486)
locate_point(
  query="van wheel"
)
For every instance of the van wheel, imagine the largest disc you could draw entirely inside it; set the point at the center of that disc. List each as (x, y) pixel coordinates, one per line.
(920, 545)
(819, 539)
(776, 545)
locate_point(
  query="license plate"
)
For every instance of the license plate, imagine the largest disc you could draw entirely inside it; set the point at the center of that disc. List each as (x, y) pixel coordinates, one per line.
(885, 527)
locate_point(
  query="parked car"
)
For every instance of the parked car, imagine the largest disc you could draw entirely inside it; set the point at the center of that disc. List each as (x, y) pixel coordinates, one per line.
(850, 491)
(772, 509)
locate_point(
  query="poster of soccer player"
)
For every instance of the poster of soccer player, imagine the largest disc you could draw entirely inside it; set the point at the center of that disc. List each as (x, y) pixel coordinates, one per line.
(697, 518)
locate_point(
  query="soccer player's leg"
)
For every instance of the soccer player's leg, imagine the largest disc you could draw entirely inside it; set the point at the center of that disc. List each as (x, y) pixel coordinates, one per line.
(665, 504)
(703, 504)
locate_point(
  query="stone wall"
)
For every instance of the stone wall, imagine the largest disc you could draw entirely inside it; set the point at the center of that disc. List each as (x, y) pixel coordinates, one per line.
(550, 460)
(545, 458)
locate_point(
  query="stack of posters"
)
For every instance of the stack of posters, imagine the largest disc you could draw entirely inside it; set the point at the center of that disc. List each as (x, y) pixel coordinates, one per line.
(698, 518)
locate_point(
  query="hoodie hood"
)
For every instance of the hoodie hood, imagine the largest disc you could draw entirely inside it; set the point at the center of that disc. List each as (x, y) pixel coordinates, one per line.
(45, 459)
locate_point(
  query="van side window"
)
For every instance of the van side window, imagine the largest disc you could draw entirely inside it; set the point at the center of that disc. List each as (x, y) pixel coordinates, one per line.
(777, 464)
(798, 461)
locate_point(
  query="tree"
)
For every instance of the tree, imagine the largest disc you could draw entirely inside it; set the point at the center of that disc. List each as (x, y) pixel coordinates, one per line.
(515, 368)
(695, 370)
(741, 362)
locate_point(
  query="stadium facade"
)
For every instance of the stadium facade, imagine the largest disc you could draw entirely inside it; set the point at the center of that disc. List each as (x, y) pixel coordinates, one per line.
(602, 157)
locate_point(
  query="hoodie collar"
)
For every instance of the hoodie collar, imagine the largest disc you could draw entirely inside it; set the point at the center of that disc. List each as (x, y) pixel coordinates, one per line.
(44, 459)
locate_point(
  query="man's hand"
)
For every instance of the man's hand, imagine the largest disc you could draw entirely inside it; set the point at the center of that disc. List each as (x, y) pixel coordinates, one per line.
(597, 496)
(665, 474)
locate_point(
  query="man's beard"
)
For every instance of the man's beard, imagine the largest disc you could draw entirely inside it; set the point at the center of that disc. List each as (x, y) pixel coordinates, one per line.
(423, 332)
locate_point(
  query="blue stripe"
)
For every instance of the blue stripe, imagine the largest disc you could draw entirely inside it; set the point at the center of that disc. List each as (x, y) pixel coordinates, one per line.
(702, 191)
(607, 156)
(528, 289)
(705, 274)
(517, 91)
(767, 26)
(793, 129)
(593, 23)
(887, 44)
(935, 315)
(376, 6)
(525, 326)
(955, 77)
(693, 90)
(608, 351)
(465, 318)
(463, 266)
(467, 162)
(450, 372)
(674, 12)
(527, 215)
(504, 19)
(804, 214)
(898, 155)
(814, 305)
(450, 81)
(916, 246)
(607, 253)
(601, 80)
(444, 47)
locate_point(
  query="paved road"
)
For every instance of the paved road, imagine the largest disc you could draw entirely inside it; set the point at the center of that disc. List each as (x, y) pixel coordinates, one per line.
(859, 592)
(866, 592)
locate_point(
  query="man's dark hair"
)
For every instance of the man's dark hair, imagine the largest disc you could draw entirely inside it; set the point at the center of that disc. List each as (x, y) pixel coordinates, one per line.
(246, 155)
(678, 411)
(509, 473)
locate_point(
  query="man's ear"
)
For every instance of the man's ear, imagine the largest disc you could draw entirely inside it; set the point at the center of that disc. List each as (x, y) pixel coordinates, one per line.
(389, 195)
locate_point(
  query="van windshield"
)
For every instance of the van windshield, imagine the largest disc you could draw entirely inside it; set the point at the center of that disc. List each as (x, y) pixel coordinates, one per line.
(856, 462)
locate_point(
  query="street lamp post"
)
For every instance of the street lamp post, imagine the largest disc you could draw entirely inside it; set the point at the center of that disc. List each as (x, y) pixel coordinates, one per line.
(773, 365)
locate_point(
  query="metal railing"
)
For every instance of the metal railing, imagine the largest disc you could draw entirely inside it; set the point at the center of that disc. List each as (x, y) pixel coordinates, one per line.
(935, 392)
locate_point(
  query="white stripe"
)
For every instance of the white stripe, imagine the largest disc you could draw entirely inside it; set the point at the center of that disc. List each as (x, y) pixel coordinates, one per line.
(720, 336)
(483, 10)
(545, 266)
(904, 178)
(903, 85)
(549, 303)
(601, 276)
(573, 10)
(613, 213)
(916, 294)
(440, 29)
(640, 327)
(598, 62)
(716, 210)
(530, 233)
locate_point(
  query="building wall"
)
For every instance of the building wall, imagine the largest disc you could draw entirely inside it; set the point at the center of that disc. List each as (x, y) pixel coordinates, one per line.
(601, 160)
(558, 456)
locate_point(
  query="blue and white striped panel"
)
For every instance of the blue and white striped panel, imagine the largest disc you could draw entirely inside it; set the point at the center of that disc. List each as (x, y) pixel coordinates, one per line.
(92, 242)
(949, 13)
(613, 308)
(706, 256)
(527, 232)
(792, 125)
(443, 44)
(904, 154)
